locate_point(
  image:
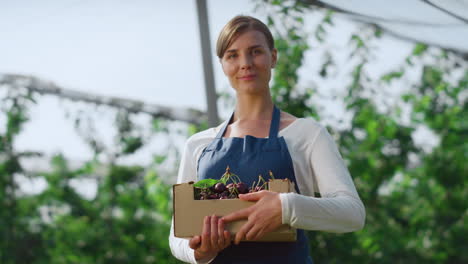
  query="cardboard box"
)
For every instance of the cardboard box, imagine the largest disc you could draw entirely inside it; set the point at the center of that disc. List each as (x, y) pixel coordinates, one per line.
(189, 213)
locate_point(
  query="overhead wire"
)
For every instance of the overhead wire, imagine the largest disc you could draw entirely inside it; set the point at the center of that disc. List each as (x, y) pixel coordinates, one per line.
(387, 24)
(446, 11)
(380, 19)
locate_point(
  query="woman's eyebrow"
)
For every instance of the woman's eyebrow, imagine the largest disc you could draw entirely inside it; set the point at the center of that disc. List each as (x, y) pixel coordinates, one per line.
(255, 46)
(250, 48)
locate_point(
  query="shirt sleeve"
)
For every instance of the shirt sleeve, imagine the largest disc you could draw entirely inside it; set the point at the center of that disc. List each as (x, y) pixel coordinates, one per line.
(187, 172)
(181, 250)
(339, 209)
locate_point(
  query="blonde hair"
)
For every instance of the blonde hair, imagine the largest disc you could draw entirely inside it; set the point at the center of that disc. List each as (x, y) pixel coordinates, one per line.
(238, 25)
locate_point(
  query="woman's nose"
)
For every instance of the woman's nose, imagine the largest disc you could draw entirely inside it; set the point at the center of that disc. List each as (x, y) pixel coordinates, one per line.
(246, 62)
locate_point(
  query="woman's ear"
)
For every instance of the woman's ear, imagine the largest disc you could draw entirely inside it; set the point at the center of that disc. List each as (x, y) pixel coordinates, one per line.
(274, 57)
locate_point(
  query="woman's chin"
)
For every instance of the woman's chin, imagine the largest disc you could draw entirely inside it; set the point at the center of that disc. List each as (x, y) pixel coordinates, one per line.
(251, 89)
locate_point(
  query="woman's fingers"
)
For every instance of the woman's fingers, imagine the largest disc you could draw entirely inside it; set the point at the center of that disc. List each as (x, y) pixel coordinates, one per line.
(252, 233)
(221, 233)
(206, 239)
(214, 232)
(237, 215)
(194, 242)
(213, 239)
(227, 238)
(241, 234)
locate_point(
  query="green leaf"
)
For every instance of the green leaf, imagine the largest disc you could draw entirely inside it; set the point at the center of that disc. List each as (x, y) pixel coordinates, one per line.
(419, 49)
(270, 21)
(131, 144)
(392, 75)
(408, 97)
(160, 125)
(378, 32)
(206, 183)
(276, 2)
(159, 159)
(358, 40)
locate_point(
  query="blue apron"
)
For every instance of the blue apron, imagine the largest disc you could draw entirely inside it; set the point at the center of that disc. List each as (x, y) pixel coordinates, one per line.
(249, 157)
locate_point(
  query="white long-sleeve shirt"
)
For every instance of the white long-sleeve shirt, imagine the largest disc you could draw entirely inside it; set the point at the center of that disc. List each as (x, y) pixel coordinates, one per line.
(318, 167)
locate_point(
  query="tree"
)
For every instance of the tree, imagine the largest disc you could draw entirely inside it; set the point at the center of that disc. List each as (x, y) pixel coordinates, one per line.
(414, 198)
(127, 221)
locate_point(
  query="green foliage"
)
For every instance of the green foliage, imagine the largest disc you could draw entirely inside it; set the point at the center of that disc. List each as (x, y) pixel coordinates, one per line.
(192, 129)
(414, 197)
(127, 221)
(419, 49)
(291, 44)
(392, 76)
(129, 142)
(19, 244)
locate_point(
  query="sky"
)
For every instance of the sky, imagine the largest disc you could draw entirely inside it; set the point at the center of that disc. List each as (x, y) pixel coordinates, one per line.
(146, 50)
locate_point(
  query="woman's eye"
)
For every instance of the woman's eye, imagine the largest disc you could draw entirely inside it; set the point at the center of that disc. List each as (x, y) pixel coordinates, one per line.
(231, 56)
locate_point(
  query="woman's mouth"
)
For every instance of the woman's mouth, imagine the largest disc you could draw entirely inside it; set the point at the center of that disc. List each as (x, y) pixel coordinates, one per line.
(247, 77)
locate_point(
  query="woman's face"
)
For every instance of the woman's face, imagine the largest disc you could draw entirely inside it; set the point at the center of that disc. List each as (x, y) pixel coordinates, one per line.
(247, 63)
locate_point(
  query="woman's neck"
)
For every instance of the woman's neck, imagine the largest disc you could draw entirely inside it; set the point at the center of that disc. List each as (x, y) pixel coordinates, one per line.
(250, 107)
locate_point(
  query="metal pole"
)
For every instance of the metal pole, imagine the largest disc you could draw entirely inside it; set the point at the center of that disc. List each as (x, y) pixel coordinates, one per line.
(207, 63)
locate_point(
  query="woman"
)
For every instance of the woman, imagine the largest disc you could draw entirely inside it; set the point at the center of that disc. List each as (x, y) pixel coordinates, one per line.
(257, 138)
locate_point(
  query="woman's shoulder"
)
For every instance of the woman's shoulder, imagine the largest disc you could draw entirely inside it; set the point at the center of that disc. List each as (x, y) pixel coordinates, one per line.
(203, 137)
(303, 126)
(302, 132)
(302, 135)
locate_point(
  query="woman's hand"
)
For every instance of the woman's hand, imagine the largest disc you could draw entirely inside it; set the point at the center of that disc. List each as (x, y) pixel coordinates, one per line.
(262, 217)
(213, 239)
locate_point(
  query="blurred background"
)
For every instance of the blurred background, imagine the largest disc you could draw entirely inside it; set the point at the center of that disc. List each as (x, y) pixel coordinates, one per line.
(98, 97)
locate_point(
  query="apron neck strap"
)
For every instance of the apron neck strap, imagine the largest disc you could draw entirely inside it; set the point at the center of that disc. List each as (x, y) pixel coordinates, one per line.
(274, 126)
(275, 120)
(223, 129)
